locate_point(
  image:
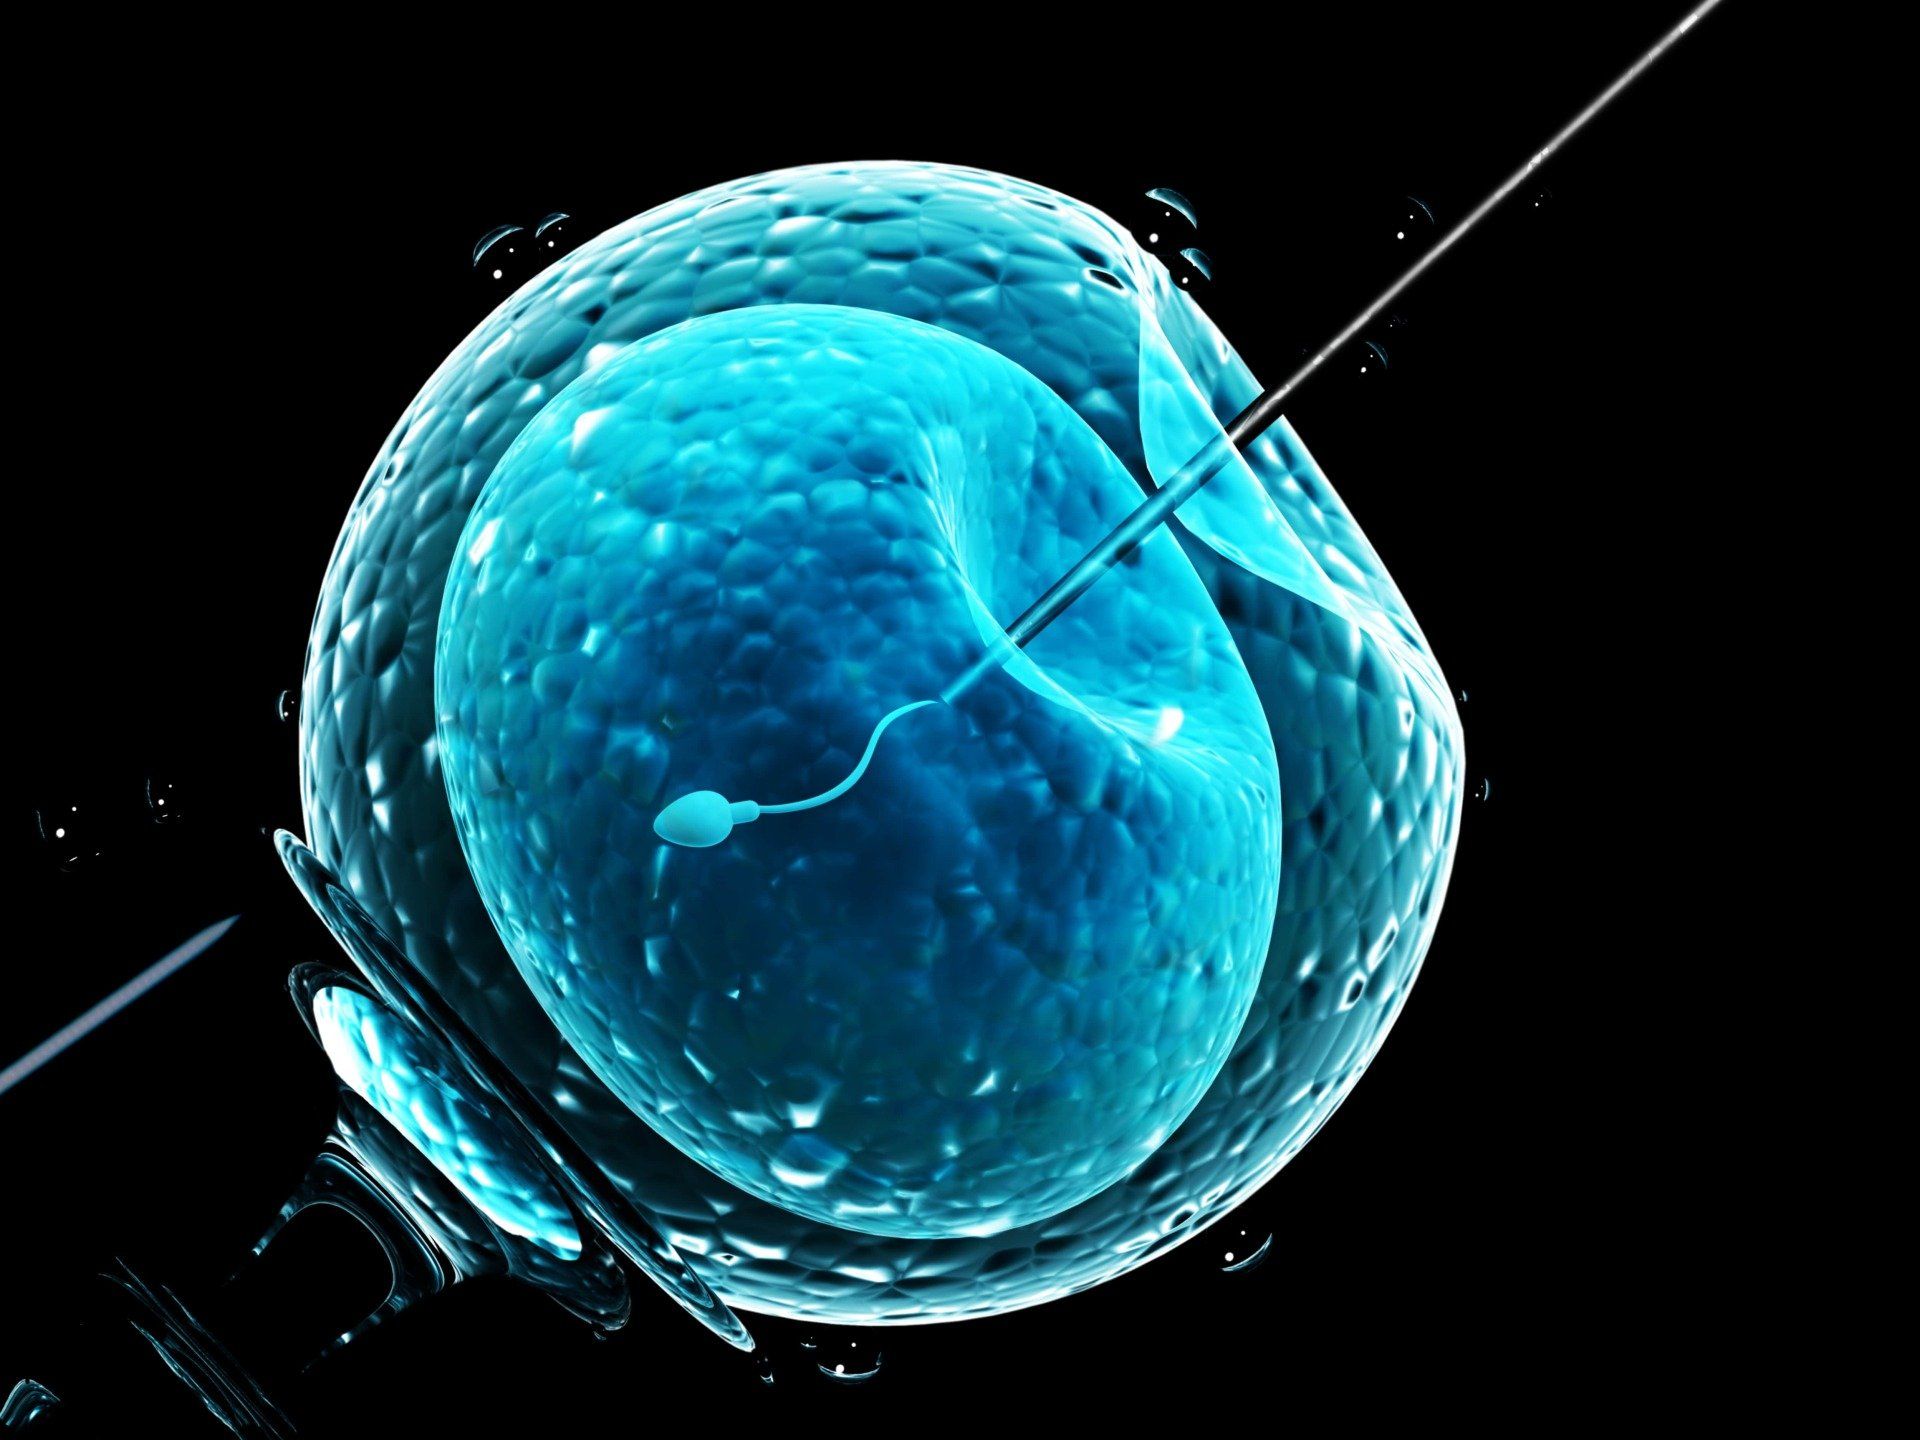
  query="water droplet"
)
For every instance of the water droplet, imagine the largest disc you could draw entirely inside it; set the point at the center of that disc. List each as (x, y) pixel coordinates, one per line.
(1412, 224)
(1176, 203)
(1484, 791)
(851, 1362)
(811, 1342)
(1199, 259)
(1244, 1252)
(1368, 359)
(163, 801)
(493, 238)
(1167, 219)
(1463, 696)
(287, 706)
(763, 1367)
(1540, 201)
(509, 255)
(550, 235)
(69, 835)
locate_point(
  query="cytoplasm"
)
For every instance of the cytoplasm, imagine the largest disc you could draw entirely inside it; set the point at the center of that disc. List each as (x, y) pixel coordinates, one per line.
(1366, 736)
(992, 978)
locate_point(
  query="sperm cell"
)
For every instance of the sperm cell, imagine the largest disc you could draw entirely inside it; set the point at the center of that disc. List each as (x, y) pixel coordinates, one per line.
(706, 813)
(706, 817)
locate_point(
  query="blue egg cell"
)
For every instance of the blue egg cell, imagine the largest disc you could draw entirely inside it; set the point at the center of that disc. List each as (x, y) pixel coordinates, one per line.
(1087, 954)
(991, 979)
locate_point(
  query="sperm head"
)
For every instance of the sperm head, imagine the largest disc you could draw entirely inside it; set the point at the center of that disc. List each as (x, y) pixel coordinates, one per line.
(701, 818)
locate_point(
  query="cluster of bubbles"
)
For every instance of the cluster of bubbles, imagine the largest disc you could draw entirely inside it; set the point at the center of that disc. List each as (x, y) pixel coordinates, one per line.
(75, 833)
(843, 1360)
(508, 255)
(856, 1358)
(73, 836)
(1172, 225)
(1410, 223)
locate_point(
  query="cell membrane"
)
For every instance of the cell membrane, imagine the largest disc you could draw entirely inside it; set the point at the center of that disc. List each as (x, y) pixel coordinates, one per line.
(1364, 736)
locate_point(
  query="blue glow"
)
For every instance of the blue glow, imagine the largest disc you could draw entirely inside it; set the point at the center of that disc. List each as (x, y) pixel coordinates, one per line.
(779, 524)
(1364, 732)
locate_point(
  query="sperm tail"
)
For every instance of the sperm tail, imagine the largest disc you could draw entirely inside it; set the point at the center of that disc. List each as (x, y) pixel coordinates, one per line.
(873, 743)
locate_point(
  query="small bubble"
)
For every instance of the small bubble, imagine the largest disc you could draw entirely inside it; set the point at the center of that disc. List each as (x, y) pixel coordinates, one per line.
(492, 240)
(287, 706)
(1405, 223)
(1412, 223)
(763, 1367)
(163, 801)
(68, 835)
(1369, 359)
(1167, 219)
(1463, 696)
(1484, 791)
(1176, 203)
(1244, 1252)
(852, 1363)
(1539, 201)
(1199, 259)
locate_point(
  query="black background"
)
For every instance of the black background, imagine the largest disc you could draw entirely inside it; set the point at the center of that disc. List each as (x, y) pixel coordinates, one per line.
(1557, 466)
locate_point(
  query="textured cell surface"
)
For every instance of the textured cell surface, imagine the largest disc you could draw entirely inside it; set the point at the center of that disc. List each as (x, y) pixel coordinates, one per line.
(1366, 737)
(993, 977)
